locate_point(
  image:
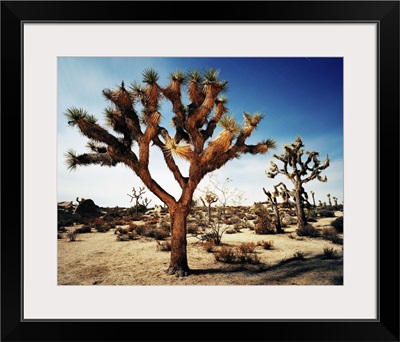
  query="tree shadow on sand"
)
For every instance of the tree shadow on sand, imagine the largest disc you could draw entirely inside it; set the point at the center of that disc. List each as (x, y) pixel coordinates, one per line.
(316, 270)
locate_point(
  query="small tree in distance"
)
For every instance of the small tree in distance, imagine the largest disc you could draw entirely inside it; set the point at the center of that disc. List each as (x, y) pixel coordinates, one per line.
(299, 172)
(193, 124)
(137, 195)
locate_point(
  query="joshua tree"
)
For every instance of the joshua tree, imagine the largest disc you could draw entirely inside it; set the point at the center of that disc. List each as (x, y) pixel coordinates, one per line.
(301, 172)
(193, 124)
(274, 202)
(329, 199)
(208, 200)
(335, 200)
(313, 198)
(137, 196)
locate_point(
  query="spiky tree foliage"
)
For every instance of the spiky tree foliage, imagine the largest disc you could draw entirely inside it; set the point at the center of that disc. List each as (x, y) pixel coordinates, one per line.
(299, 172)
(335, 200)
(193, 126)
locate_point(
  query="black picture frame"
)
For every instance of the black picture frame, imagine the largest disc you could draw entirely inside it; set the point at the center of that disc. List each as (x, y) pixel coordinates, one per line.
(385, 328)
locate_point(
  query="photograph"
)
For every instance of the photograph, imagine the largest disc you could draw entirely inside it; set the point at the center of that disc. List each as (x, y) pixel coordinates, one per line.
(200, 171)
(198, 160)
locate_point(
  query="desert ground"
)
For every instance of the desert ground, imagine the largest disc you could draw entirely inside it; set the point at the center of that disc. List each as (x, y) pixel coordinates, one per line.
(104, 257)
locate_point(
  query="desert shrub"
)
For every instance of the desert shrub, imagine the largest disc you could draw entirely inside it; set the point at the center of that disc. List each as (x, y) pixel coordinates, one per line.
(152, 231)
(141, 229)
(244, 253)
(97, 222)
(232, 220)
(226, 254)
(164, 246)
(132, 210)
(122, 230)
(112, 214)
(159, 233)
(329, 233)
(72, 235)
(192, 228)
(291, 236)
(209, 246)
(164, 223)
(337, 223)
(311, 213)
(84, 229)
(133, 235)
(332, 235)
(298, 255)
(247, 247)
(150, 221)
(265, 226)
(104, 228)
(267, 244)
(337, 240)
(231, 231)
(238, 226)
(329, 253)
(308, 230)
(60, 235)
(123, 237)
(326, 213)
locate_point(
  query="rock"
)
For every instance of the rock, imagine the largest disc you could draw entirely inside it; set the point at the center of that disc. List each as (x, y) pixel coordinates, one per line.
(287, 220)
(87, 207)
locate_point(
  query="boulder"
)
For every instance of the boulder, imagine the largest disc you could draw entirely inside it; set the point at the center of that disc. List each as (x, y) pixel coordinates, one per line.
(87, 207)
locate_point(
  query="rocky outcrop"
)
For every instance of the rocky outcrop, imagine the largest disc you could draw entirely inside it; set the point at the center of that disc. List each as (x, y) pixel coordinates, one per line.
(87, 207)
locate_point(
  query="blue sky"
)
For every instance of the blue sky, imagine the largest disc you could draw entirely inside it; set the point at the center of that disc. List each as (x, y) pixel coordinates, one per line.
(298, 96)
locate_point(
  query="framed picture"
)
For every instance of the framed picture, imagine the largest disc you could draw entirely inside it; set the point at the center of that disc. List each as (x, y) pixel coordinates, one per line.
(325, 72)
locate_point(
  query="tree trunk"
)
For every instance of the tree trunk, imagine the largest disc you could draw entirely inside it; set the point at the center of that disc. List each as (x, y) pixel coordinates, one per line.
(301, 216)
(178, 263)
(278, 219)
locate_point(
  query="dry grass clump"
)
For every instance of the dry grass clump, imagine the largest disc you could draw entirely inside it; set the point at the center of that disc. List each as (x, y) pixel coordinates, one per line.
(330, 253)
(299, 255)
(209, 246)
(267, 244)
(244, 253)
(72, 235)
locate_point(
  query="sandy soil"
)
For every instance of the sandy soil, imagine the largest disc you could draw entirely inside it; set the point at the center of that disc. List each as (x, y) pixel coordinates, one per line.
(99, 259)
